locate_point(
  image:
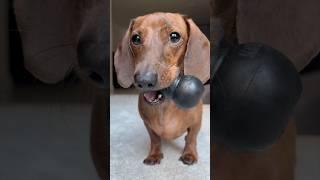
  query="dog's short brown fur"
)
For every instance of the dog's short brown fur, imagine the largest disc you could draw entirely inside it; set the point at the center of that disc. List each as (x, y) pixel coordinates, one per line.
(191, 55)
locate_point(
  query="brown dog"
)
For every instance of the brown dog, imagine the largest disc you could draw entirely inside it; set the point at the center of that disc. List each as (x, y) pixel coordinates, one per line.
(155, 49)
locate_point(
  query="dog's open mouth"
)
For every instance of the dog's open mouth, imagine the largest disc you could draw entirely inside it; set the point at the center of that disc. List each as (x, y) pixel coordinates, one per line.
(153, 97)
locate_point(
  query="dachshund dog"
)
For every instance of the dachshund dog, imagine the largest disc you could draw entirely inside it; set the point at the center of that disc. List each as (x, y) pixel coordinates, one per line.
(154, 51)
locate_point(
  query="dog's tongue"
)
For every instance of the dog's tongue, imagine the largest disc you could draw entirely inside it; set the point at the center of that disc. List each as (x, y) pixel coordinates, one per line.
(150, 96)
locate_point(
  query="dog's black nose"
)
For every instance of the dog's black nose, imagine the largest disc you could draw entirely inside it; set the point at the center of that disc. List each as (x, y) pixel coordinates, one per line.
(146, 80)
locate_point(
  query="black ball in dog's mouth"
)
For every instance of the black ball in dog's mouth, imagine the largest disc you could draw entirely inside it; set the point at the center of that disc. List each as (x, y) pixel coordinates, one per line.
(153, 97)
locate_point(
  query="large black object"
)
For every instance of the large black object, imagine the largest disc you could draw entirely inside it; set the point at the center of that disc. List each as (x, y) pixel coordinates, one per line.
(255, 89)
(185, 91)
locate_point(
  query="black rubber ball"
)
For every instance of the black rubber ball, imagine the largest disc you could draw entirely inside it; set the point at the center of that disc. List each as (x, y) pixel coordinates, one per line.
(255, 89)
(185, 91)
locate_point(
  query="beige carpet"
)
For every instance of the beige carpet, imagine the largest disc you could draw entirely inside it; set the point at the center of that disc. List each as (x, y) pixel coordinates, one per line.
(129, 145)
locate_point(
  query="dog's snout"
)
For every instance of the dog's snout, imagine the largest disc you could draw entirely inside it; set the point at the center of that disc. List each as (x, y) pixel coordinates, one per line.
(146, 80)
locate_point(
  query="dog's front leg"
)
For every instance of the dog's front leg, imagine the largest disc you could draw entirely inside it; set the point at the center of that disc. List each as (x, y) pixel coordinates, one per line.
(155, 154)
(190, 155)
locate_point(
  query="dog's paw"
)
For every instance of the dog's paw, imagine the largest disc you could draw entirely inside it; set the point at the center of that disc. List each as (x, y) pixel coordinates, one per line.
(153, 159)
(188, 159)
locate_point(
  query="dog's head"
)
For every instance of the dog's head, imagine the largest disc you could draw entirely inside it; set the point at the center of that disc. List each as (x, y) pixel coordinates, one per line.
(159, 46)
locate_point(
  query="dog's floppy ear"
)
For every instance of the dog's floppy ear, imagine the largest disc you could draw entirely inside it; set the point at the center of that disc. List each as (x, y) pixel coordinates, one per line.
(123, 61)
(197, 57)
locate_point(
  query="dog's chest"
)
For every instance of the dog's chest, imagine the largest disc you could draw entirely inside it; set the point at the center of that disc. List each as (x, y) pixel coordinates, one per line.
(166, 120)
(168, 125)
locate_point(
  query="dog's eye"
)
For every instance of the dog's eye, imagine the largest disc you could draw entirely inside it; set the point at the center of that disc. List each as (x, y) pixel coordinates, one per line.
(174, 37)
(136, 39)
